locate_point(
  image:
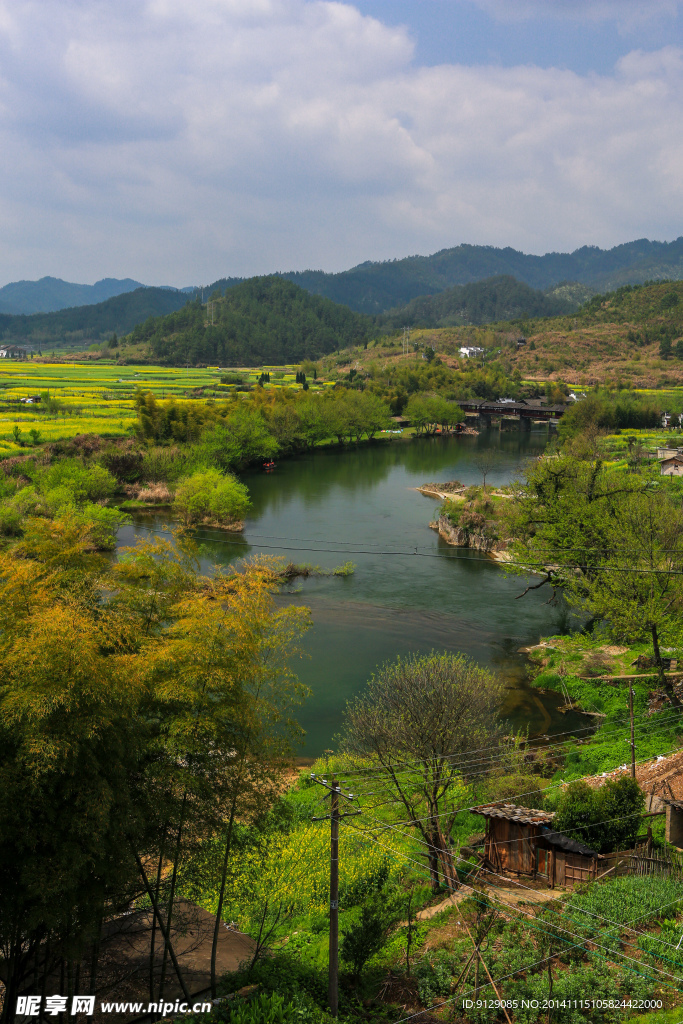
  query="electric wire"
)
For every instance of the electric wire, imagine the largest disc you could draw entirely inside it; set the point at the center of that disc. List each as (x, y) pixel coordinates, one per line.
(557, 785)
(387, 774)
(555, 899)
(455, 557)
(513, 909)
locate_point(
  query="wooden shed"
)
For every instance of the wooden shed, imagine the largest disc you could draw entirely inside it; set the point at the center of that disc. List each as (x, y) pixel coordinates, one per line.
(521, 841)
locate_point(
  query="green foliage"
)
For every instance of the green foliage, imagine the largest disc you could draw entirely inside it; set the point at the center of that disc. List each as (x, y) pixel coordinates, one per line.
(363, 939)
(493, 299)
(86, 483)
(286, 973)
(611, 411)
(575, 985)
(263, 320)
(427, 412)
(434, 974)
(606, 818)
(632, 898)
(267, 1008)
(211, 496)
(234, 434)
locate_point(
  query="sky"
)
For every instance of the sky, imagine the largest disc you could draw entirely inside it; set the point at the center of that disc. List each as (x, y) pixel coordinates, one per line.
(178, 142)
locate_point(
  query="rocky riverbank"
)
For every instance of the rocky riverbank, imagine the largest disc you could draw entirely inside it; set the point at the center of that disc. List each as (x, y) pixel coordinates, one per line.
(482, 539)
(469, 517)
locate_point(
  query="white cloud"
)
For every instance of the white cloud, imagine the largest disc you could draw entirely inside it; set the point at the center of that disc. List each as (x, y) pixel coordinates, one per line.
(177, 143)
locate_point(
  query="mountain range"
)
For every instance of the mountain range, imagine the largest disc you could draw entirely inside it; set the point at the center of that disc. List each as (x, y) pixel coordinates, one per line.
(80, 326)
(51, 293)
(375, 287)
(52, 312)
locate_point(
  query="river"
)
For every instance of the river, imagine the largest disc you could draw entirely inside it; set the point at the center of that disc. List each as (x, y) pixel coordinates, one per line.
(410, 591)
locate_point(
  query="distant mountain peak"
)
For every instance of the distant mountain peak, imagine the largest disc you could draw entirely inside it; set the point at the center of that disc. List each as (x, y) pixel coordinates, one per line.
(49, 294)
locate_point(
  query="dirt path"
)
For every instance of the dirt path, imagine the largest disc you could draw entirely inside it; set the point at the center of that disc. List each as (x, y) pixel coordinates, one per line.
(512, 896)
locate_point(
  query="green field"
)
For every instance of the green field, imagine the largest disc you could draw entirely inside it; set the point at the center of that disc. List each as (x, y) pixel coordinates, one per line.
(98, 397)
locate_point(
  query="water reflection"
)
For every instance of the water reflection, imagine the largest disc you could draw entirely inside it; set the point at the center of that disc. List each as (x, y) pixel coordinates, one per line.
(411, 592)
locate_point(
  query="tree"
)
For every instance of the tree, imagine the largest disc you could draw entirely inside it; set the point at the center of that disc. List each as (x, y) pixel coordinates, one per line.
(612, 542)
(69, 746)
(362, 940)
(606, 818)
(143, 707)
(222, 674)
(425, 711)
(211, 496)
(486, 460)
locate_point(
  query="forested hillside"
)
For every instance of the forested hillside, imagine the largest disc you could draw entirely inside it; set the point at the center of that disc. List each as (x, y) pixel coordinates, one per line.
(496, 299)
(632, 335)
(378, 287)
(86, 324)
(264, 320)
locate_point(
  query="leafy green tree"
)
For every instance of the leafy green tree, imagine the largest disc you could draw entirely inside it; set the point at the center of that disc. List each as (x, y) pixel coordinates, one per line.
(211, 496)
(606, 818)
(612, 542)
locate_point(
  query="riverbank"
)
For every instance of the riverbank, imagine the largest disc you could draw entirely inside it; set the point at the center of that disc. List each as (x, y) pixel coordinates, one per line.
(594, 676)
(470, 517)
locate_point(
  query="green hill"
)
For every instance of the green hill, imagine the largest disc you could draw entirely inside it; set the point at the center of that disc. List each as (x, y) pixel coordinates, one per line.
(653, 305)
(83, 325)
(264, 320)
(375, 288)
(493, 300)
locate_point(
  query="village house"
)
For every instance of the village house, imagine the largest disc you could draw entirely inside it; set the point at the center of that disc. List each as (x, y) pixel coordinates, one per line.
(521, 841)
(671, 466)
(469, 351)
(12, 352)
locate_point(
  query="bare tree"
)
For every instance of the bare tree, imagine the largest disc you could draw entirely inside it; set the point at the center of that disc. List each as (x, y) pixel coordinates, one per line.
(416, 716)
(486, 460)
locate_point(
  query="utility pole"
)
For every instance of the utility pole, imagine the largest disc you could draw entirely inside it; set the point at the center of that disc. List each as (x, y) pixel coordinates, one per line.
(633, 741)
(335, 792)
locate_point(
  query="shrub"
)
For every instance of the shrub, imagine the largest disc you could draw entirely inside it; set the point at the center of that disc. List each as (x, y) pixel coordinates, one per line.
(362, 940)
(124, 460)
(211, 496)
(86, 483)
(603, 818)
(434, 974)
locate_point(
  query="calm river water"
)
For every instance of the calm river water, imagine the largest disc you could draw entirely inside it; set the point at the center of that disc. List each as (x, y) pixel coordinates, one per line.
(410, 592)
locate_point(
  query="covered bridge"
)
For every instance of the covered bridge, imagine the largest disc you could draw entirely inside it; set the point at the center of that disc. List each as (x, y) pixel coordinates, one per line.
(521, 841)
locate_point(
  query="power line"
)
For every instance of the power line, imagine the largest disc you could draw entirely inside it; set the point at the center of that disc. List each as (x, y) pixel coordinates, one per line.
(509, 908)
(453, 557)
(399, 769)
(517, 796)
(497, 888)
(554, 899)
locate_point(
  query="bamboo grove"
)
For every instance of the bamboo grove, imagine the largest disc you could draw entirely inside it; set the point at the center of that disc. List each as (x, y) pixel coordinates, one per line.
(145, 707)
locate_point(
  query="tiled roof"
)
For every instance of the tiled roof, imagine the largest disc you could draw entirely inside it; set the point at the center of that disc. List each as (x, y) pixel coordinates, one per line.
(524, 815)
(661, 776)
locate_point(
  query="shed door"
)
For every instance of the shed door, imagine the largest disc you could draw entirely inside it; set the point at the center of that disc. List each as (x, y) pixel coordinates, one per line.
(542, 861)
